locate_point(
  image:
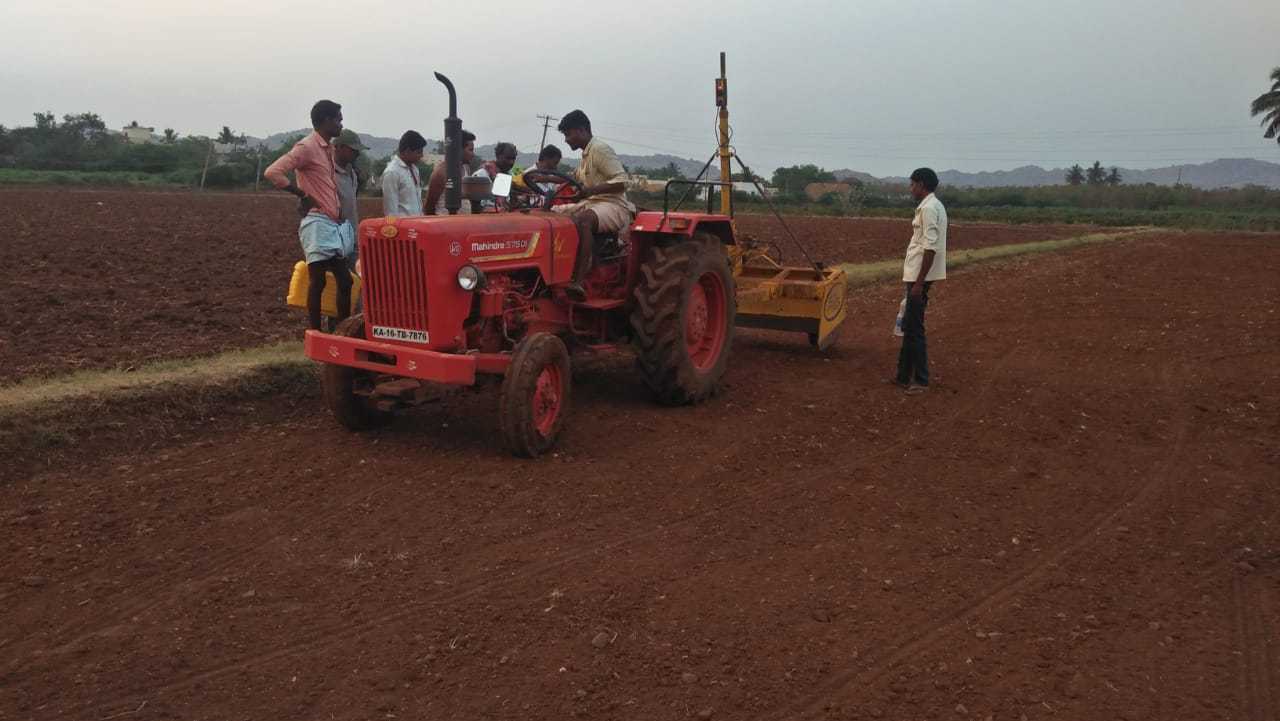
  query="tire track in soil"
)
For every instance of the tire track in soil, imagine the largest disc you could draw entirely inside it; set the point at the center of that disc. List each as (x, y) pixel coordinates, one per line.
(916, 642)
(325, 636)
(1253, 608)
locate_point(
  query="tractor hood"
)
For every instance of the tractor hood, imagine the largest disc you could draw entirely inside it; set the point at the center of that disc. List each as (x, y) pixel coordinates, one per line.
(410, 268)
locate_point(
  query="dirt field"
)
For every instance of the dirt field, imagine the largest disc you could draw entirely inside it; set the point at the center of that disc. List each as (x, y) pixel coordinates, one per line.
(1078, 521)
(107, 279)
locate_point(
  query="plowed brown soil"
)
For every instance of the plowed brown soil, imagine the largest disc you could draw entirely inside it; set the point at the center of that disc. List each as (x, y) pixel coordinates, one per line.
(112, 279)
(1078, 521)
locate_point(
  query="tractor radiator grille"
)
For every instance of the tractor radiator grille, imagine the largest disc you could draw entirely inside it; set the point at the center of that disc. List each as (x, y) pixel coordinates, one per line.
(395, 283)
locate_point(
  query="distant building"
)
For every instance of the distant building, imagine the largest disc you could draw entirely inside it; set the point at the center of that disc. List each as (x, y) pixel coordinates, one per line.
(139, 134)
(744, 186)
(644, 184)
(816, 191)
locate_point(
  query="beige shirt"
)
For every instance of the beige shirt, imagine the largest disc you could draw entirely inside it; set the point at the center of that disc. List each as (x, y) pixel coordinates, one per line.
(928, 232)
(601, 165)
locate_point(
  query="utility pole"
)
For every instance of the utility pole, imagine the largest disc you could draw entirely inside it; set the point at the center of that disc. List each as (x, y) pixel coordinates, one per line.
(207, 158)
(546, 123)
(726, 173)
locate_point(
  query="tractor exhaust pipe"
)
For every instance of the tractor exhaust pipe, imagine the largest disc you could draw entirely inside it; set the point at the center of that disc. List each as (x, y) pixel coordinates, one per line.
(452, 151)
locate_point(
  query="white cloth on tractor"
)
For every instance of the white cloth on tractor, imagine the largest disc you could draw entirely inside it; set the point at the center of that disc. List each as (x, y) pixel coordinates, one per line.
(928, 232)
(322, 238)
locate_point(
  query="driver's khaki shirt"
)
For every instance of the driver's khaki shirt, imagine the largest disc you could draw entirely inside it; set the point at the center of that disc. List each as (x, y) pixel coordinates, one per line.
(601, 165)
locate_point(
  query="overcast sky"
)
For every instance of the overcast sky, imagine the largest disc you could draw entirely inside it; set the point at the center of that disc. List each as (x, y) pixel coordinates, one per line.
(871, 85)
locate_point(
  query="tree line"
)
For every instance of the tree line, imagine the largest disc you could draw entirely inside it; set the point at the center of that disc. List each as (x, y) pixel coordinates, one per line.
(81, 142)
(1094, 175)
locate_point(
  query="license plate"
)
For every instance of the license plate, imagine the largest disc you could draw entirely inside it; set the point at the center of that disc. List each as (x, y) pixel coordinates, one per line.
(386, 333)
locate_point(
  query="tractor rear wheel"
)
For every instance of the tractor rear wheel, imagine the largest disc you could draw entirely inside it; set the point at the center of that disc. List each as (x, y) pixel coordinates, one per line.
(535, 395)
(683, 319)
(353, 409)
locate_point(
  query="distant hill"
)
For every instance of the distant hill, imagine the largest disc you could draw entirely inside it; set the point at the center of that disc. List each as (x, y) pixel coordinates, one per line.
(379, 147)
(1223, 173)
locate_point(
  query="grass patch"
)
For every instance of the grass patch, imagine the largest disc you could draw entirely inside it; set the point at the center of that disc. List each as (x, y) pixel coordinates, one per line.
(211, 370)
(1188, 218)
(868, 273)
(89, 178)
(91, 416)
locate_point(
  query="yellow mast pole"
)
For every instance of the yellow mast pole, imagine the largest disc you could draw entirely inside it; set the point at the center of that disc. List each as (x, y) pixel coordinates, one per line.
(722, 102)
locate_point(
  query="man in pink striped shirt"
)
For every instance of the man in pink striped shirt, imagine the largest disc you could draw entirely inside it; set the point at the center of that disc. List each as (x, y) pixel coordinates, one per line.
(328, 240)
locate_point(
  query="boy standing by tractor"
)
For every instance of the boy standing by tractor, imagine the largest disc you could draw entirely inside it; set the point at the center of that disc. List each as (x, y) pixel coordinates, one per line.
(602, 206)
(327, 240)
(401, 183)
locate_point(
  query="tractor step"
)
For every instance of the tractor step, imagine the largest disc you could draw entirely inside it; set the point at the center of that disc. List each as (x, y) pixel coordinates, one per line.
(403, 388)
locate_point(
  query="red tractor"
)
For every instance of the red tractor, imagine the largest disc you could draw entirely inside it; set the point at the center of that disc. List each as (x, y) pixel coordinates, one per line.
(453, 299)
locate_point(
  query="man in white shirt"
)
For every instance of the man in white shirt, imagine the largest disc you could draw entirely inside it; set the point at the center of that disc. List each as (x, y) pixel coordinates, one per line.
(401, 181)
(925, 263)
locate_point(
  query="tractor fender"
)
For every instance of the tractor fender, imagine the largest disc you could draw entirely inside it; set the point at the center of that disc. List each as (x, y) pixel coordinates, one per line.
(663, 229)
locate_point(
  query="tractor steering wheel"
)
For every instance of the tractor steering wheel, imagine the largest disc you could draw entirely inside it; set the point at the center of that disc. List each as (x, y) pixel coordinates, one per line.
(524, 195)
(552, 195)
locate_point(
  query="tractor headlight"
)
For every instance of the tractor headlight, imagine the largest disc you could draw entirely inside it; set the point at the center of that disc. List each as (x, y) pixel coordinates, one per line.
(470, 277)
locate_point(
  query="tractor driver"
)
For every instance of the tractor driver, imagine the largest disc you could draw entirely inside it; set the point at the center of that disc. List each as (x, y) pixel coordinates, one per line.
(603, 206)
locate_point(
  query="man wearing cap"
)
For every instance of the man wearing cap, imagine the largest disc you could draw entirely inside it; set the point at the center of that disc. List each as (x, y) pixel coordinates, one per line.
(345, 151)
(346, 148)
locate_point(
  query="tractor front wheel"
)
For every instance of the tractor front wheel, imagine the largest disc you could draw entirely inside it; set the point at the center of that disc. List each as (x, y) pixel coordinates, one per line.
(535, 395)
(683, 319)
(347, 390)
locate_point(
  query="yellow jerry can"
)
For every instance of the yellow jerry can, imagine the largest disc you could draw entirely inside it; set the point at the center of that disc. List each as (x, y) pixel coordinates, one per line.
(301, 282)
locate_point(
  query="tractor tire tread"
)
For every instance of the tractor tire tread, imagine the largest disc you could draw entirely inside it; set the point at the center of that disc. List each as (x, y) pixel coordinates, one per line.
(515, 416)
(657, 320)
(353, 412)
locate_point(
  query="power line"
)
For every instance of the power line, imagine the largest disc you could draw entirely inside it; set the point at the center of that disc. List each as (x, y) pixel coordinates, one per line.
(1039, 132)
